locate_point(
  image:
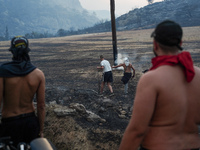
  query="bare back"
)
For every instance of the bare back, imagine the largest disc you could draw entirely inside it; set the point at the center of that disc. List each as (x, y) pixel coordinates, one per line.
(19, 92)
(175, 118)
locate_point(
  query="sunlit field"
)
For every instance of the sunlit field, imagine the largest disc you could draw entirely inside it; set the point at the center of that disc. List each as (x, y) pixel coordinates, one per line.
(73, 59)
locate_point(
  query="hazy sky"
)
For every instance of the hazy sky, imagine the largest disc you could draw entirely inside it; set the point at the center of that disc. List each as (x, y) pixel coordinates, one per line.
(121, 6)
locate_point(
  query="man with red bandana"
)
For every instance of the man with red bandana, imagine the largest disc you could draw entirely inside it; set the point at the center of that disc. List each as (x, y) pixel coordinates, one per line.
(166, 112)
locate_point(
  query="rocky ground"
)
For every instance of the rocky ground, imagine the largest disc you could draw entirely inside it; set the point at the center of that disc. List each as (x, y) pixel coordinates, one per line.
(77, 118)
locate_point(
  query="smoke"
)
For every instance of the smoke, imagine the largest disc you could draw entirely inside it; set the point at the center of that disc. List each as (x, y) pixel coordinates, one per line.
(120, 58)
(143, 63)
(140, 61)
(122, 54)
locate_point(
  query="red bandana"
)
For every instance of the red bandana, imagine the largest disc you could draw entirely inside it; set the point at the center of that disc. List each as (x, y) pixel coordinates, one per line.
(183, 58)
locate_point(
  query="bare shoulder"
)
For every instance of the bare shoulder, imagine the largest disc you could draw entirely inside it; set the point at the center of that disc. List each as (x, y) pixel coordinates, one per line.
(197, 69)
(38, 73)
(150, 76)
(197, 72)
(151, 80)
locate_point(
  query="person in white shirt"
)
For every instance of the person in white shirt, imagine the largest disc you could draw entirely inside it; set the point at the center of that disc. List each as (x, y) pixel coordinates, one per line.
(107, 75)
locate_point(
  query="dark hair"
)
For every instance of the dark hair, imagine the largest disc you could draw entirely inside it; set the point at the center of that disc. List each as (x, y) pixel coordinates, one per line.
(168, 48)
(101, 57)
(168, 33)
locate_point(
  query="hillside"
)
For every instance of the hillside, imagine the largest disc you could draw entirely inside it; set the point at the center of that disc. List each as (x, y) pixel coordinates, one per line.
(185, 12)
(46, 18)
(77, 118)
(43, 16)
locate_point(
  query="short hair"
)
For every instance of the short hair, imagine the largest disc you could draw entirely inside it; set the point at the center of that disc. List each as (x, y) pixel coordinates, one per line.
(101, 57)
(168, 33)
(168, 48)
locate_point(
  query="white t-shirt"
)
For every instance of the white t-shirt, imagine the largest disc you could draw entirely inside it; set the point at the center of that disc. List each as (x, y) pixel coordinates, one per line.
(106, 65)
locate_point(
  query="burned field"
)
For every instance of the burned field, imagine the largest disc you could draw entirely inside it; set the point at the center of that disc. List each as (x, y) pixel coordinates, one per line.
(69, 64)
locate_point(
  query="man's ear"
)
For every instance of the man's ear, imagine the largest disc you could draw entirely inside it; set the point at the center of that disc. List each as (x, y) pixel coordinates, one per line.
(155, 45)
(181, 43)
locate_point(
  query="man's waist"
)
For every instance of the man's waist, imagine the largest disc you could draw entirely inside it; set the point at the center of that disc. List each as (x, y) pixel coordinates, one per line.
(142, 148)
(18, 117)
(107, 71)
(127, 72)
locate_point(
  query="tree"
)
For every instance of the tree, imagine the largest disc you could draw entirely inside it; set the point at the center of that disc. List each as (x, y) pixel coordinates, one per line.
(61, 32)
(6, 34)
(150, 1)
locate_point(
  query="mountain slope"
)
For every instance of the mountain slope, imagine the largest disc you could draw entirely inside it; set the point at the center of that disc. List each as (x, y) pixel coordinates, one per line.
(25, 16)
(186, 12)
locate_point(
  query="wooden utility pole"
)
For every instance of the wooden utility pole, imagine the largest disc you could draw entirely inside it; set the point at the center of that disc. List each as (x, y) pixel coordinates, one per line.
(114, 37)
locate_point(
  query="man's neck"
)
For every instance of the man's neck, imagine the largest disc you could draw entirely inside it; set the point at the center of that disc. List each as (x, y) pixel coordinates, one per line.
(162, 52)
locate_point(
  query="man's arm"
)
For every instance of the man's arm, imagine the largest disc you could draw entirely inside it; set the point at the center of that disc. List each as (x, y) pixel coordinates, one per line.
(1, 90)
(117, 66)
(143, 109)
(133, 71)
(100, 67)
(41, 103)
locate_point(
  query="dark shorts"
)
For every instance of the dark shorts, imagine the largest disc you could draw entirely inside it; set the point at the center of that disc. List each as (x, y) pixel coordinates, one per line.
(126, 77)
(142, 148)
(22, 128)
(107, 76)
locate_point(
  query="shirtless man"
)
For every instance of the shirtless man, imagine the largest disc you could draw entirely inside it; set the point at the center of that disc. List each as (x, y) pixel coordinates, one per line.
(19, 82)
(166, 111)
(128, 67)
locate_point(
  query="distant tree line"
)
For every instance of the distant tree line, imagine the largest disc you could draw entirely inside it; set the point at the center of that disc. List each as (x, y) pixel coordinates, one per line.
(6, 35)
(151, 1)
(36, 35)
(97, 28)
(102, 26)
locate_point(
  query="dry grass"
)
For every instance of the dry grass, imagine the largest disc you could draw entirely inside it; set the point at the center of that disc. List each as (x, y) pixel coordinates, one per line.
(66, 60)
(70, 62)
